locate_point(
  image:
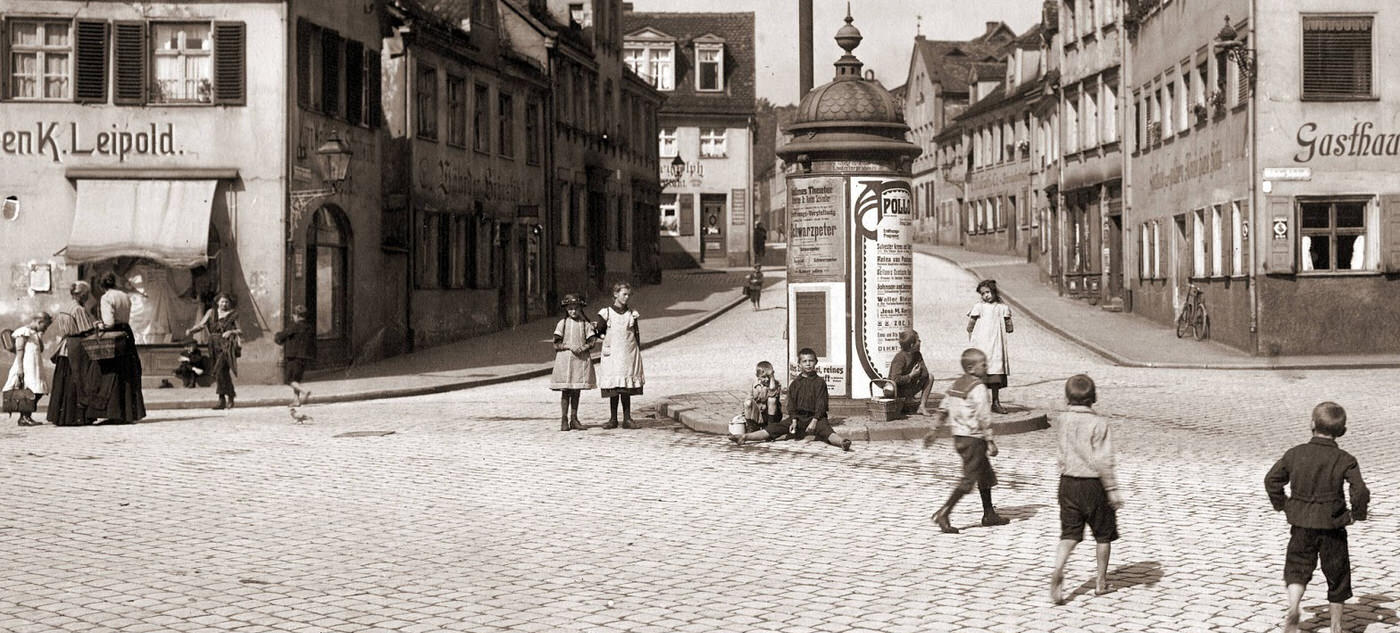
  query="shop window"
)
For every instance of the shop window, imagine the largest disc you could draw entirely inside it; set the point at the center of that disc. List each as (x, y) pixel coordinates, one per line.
(481, 118)
(710, 60)
(426, 102)
(1337, 57)
(713, 143)
(670, 215)
(40, 59)
(1333, 234)
(505, 115)
(653, 62)
(456, 111)
(533, 138)
(458, 246)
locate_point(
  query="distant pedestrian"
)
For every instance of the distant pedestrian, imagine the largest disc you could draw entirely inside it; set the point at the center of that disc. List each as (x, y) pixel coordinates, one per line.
(760, 242)
(764, 405)
(988, 323)
(1088, 490)
(620, 372)
(753, 285)
(909, 373)
(28, 371)
(298, 343)
(969, 415)
(806, 406)
(573, 362)
(1316, 510)
(221, 325)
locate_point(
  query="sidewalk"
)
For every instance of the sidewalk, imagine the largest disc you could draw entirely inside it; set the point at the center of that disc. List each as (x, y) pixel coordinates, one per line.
(685, 300)
(1123, 338)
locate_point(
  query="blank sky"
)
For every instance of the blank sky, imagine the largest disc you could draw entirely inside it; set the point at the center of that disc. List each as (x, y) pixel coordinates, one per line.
(887, 25)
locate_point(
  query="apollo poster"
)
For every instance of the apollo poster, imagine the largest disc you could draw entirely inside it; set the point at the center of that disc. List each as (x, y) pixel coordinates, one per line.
(882, 275)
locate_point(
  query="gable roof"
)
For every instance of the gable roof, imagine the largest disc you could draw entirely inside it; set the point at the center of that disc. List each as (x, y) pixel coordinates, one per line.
(950, 63)
(736, 30)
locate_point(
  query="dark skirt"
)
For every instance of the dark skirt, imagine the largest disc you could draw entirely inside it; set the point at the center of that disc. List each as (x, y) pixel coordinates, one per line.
(622, 391)
(223, 373)
(112, 387)
(64, 409)
(995, 381)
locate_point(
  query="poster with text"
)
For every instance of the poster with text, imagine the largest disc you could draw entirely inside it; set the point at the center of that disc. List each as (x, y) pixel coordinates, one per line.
(882, 283)
(816, 229)
(817, 320)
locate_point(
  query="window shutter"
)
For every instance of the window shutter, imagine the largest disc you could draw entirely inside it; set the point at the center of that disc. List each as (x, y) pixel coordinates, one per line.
(303, 77)
(375, 113)
(230, 63)
(4, 61)
(90, 71)
(687, 206)
(1390, 232)
(1246, 229)
(354, 82)
(1282, 258)
(330, 75)
(129, 63)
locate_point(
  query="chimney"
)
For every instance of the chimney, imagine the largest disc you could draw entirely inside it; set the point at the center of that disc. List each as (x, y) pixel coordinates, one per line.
(992, 26)
(804, 47)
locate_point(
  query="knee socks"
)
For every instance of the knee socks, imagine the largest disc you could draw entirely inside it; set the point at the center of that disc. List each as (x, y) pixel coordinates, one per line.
(612, 407)
(627, 407)
(986, 494)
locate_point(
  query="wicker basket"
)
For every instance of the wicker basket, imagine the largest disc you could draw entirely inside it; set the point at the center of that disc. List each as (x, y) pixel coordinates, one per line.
(107, 345)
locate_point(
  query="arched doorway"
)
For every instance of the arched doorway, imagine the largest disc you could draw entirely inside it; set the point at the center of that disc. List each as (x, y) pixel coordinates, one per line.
(328, 285)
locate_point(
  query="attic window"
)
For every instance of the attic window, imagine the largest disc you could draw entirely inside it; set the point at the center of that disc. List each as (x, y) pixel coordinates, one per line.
(709, 59)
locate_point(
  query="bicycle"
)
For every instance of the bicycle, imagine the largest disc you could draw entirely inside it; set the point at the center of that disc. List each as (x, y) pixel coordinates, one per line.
(1193, 316)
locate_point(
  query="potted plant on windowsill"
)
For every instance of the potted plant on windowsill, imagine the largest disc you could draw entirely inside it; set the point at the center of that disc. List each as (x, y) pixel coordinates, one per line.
(1154, 133)
(1202, 113)
(1217, 102)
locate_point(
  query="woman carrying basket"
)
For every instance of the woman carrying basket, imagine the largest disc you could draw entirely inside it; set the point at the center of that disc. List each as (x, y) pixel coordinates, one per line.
(114, 387)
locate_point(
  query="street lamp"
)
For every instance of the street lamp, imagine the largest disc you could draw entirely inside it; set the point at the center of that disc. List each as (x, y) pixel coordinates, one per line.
(334, 156)
(1228, 42)
(677, 166)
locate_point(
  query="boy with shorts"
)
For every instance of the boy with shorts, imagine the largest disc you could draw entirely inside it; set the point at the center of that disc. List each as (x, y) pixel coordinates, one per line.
(1317, 511)
(1088, 487)
(298, 350)
(807, 406)
(970, 416)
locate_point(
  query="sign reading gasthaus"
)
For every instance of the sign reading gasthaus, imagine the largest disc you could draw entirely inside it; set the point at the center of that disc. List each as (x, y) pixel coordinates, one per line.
(53, 140)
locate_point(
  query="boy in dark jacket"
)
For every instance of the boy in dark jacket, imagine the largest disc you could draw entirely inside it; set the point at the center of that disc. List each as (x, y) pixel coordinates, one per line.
(192, 366)
(807, 406)
(1317, 511)
(298, 348)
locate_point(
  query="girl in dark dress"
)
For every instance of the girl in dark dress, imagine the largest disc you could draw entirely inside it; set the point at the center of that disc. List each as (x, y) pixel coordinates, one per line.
(221, 323)
(112, 386)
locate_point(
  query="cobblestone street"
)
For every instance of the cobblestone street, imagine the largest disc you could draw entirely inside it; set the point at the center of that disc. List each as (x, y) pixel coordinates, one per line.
(472, 512)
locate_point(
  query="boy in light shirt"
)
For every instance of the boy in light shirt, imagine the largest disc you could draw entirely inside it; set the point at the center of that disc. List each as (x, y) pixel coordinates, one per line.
(970, 415)
(1088, 486)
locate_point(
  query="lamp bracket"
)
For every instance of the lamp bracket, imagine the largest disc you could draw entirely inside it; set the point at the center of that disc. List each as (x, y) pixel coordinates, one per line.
(305, 199)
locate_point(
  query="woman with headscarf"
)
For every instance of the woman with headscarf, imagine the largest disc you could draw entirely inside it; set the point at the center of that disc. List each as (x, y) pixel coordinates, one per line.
(114, 391)
(221, 322)
(71, 324)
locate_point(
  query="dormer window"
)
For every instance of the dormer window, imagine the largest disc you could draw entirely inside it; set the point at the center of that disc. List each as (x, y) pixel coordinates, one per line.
(709, 58)
(654, 61)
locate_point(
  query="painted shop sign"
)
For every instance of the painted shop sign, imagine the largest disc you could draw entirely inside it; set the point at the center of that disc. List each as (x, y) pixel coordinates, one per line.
(1362, 141)
(816, 236)
(1195, 164)
(1287, 173)
(53, 140)
(450, 178)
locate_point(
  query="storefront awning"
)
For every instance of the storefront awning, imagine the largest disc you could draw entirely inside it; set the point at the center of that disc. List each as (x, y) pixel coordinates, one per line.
(164, 220)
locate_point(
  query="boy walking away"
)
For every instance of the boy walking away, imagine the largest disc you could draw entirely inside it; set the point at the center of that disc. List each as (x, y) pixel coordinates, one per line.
(298, 348)
(1317, 512)
(1088, 487)
(807, 404)
(970, 416)
(753, 285)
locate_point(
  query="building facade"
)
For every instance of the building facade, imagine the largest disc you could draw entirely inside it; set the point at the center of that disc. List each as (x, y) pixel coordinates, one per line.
(155, 141)
(704, 64)
(1274, 191)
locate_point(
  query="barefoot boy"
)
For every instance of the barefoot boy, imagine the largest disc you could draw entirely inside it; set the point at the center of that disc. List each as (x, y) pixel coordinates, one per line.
(1088, 486)
(970, 415)
(1317, 512)
(807, 403)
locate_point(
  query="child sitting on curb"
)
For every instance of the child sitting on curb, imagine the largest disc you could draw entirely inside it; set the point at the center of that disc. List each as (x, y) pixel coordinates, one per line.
(807, 405)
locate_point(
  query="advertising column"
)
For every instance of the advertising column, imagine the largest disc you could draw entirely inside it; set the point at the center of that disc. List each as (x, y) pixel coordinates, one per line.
(882, 275)
(817, 275)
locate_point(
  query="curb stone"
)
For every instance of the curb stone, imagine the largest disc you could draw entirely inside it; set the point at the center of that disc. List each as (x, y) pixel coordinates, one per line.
(695, 419)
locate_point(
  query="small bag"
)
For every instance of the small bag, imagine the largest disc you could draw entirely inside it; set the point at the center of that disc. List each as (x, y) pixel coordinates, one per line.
(20, 400)
(107, 345)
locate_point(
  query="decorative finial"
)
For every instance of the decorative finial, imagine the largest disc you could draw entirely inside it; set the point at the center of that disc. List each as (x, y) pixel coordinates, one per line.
(849, 19)
(919, 24)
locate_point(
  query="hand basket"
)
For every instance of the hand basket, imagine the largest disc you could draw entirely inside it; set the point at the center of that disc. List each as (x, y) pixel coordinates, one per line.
(20, 400)
(880, 407)
(107, 345)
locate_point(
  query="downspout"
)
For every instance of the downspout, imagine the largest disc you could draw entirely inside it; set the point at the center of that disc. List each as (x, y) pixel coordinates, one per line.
(1250, 146)
(1124, 113)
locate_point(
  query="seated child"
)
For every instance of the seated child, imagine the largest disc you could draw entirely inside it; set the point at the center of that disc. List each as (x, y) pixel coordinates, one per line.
(763, 406)
(807, 404)
(192, 366)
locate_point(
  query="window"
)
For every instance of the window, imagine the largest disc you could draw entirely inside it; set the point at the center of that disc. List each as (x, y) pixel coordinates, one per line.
(41, 55)
(1333, 234)
(182, 63)
(652, 62)
(668, 145)
(1156, 250)
(710, 62)
(670, 215)
(1183, 101)
(1168, 107)
(1337, 57)
(457, 249)
(1198, 243)
(506, 117)
(1217, 254)
(1091, 119)
(1071, 124)
(1138, 124)
(426, 96)
(1145, 252)
(456, 111)
(533, 151)
(429, 235)
(713, 143)
(1110, 112)
(1237, 240)
(481, 119)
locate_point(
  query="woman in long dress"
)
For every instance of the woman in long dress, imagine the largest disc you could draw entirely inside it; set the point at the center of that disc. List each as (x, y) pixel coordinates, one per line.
(28, 368)
(989, 321)
(221, 323)
(73, 323)
(112, 387)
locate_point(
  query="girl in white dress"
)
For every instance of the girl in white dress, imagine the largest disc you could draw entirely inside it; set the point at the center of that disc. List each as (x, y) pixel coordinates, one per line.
(620, 373)
(28, 368)
(573, 364)
(988, 323)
